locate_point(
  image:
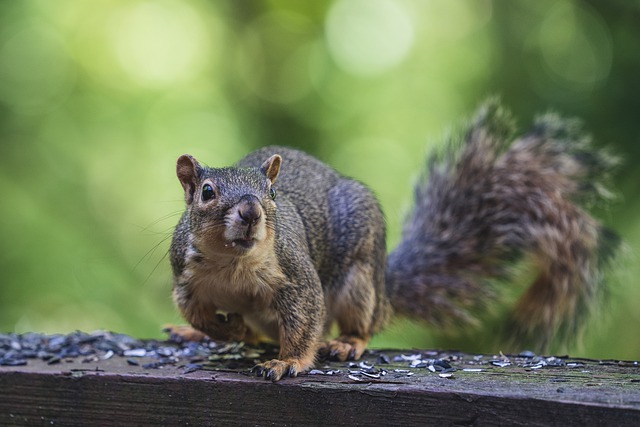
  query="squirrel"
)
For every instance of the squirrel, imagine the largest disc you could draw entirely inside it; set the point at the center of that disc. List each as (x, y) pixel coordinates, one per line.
(286, 246)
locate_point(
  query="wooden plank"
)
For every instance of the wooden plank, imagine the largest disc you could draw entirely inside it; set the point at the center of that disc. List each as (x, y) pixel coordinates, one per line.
(82, 391)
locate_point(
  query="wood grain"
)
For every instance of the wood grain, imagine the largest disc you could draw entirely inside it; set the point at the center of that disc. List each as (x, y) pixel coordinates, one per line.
(112, 392)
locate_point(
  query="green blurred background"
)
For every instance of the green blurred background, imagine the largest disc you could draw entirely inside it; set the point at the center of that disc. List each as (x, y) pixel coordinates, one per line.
(98, 99)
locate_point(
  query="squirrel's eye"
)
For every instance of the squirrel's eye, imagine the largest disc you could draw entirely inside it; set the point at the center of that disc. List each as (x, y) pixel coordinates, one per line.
(272, 193)
(207, 192)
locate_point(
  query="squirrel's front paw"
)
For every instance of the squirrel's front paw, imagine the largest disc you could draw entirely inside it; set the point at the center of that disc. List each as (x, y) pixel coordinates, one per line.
(275, 369)
(235, 327)
(228, 328)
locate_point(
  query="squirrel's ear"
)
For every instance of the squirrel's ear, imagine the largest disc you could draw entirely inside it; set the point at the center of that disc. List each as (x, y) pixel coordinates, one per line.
(187, 169)
(271, 167)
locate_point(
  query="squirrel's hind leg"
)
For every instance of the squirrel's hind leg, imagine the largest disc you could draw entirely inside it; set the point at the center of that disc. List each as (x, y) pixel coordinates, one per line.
(184, 332)
(355, 289)
(353, 304)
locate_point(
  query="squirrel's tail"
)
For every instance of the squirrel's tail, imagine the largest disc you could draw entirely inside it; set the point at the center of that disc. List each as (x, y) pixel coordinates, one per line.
(489, 202)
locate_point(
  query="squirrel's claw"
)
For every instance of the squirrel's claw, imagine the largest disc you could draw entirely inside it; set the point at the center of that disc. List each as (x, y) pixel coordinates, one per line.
(258, 370)
(275, 369)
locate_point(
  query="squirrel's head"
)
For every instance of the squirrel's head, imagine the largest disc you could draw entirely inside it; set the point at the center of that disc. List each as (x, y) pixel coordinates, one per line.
(231, 210)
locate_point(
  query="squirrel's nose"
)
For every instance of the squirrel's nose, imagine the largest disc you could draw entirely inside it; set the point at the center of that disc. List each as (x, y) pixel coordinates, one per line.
(249, 209)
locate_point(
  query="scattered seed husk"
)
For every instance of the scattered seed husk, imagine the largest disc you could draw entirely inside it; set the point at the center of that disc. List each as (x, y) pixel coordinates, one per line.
(19, 349)
(192, 367)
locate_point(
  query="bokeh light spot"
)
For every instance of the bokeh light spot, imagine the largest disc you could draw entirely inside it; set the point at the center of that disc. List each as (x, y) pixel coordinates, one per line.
(437, 17)
(159, 43)
(368, 37)
(575, 46)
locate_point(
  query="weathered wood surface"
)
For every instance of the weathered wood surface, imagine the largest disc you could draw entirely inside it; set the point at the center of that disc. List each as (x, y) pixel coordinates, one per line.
(88, 391)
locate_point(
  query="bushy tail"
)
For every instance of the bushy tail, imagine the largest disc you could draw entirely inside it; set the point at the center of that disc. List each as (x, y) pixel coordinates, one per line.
(487, 203)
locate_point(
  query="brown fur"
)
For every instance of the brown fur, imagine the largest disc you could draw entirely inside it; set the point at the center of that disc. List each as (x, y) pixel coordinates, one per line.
(492, 202)
(288, 269)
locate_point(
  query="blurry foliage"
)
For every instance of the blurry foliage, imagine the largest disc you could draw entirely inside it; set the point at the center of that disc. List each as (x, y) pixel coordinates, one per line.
(98, 99)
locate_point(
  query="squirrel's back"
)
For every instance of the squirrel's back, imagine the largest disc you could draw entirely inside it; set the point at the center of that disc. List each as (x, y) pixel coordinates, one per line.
(345, 232)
